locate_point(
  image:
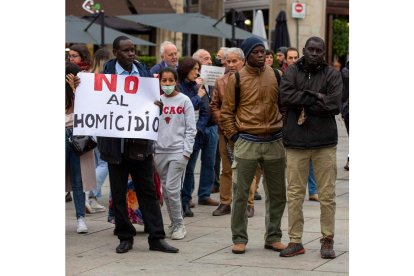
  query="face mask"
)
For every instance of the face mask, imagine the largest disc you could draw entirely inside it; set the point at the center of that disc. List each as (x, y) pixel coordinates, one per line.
(168, 89)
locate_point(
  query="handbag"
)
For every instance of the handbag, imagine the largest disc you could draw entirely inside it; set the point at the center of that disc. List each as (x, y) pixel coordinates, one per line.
(82, 144)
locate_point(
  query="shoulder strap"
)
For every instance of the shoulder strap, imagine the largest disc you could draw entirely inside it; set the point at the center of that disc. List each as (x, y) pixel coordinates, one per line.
(277, 76)
(237, 92)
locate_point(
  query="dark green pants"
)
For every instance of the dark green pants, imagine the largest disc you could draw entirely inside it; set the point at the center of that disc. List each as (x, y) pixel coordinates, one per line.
(271, 157)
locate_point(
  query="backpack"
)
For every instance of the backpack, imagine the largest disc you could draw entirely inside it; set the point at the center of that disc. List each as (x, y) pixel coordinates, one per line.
(237, 87)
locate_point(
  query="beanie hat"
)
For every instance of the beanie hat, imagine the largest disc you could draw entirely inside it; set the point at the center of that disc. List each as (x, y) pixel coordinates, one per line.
(249, 44)
(282, 50)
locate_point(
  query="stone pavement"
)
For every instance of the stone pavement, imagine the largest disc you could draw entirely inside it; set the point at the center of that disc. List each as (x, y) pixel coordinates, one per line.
(206, 250)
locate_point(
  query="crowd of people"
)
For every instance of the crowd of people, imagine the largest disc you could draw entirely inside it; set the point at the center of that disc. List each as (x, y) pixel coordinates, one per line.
(259, 121)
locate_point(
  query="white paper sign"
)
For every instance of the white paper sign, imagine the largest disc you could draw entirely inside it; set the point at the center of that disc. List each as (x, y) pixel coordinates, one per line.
(211, 73)
(116, 106)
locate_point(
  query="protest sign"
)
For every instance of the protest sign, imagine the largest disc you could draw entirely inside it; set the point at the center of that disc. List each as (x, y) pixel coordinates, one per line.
(116, 106)
(211, 73)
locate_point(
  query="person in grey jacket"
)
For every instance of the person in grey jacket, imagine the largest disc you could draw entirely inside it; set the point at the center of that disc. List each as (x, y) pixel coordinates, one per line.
(311, 90)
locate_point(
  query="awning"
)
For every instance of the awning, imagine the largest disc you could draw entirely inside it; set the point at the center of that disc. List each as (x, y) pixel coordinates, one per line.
(75, 33)
(122, 25)
(189, 23)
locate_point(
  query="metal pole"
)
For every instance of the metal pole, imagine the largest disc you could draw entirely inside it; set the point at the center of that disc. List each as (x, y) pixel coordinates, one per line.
(233, 30)
(297, 33)
(102, 15)
(96, 17)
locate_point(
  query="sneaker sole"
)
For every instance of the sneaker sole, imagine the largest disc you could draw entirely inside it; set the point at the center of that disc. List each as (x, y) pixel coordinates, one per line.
(82, 231)
(96, 210)
(302, 251)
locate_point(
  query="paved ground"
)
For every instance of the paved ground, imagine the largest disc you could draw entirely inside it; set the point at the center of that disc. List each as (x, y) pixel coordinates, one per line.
(206, 250)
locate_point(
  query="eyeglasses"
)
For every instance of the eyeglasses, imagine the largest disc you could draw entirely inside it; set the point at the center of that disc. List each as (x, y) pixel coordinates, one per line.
(73, 56)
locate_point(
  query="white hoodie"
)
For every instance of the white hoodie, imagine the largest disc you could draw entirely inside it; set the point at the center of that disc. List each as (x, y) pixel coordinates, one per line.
(177, 128)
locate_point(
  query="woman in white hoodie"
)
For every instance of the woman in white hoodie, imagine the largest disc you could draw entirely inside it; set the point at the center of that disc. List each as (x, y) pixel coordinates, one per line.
(176, 135)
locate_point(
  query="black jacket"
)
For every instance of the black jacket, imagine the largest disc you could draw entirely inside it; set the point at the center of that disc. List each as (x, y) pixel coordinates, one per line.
(298, 90)
(110, 148)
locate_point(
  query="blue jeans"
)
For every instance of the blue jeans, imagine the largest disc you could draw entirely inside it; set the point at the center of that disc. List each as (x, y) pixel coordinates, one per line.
(73, 164)
(101, 173)
(311, 180)
(208, 156)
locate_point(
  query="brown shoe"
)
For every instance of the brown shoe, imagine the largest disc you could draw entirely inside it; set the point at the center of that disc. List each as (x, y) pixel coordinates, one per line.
(314, 197)
(223, 209)
(327, 251)
(191, 204)
(215, 189)
(250, 211)
(238, 248)
(276, 246)
(209, 201)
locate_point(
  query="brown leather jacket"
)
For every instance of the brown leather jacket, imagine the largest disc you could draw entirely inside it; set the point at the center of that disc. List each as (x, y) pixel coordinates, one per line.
(258, 110)
(217, 98)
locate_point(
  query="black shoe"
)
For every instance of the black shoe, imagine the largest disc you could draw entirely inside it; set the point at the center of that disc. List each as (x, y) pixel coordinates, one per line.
(124, 246)
(187, 211)
(68, 197)
(257, 196)
(163, 246)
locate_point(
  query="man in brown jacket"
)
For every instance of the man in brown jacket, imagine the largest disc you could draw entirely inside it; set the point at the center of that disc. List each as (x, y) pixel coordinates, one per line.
(254, 123)
(234, 62)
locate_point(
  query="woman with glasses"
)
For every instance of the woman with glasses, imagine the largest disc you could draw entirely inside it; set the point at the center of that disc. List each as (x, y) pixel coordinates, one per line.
(80, 170)
(80, 55)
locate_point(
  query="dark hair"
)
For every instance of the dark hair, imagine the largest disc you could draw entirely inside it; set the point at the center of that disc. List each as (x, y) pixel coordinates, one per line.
(282, 50)
(100, 57)
(292, 49)
(69, 98)
(185, 66)
(84, 53)
(168, 69)
(269, 52)
(117, 41)
(316, 39)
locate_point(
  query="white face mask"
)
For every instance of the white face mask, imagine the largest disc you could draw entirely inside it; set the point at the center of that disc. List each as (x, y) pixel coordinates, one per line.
(168, 89)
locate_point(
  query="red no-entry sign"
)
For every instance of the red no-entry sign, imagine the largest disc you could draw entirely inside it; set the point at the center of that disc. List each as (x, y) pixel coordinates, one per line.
(298, 10)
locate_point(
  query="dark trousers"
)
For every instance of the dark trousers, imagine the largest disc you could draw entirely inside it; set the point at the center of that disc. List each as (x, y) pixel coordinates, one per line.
(142, 174)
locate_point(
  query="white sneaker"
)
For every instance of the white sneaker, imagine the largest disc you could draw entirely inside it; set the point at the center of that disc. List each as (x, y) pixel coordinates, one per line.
(82, 226)
(96, 206)
(179, 232)
(88, 208)
(169, 231)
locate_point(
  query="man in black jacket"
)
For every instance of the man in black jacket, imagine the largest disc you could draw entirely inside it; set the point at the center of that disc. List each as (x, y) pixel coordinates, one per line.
(311, 90)
(132, 157)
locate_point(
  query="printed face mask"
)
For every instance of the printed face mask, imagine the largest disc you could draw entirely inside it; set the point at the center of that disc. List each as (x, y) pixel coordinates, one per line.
(168, 89)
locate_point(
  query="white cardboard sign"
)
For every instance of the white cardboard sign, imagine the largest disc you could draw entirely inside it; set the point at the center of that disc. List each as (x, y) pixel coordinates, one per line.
(116, 106)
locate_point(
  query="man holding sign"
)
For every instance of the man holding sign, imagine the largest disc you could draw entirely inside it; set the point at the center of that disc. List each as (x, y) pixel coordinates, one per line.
(128, 156)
